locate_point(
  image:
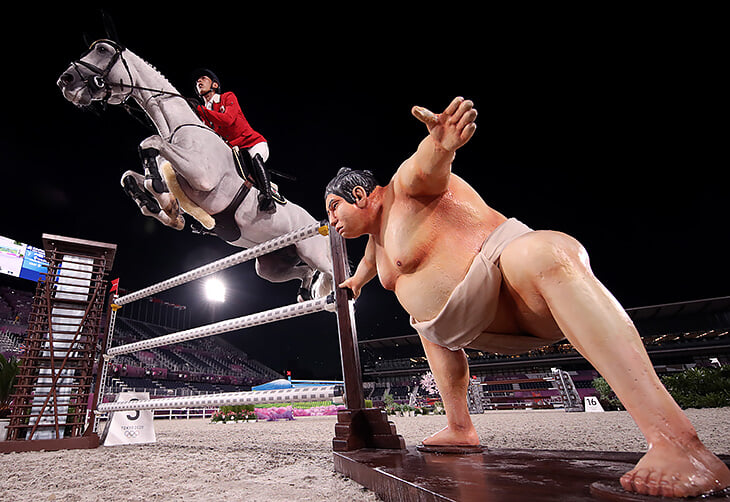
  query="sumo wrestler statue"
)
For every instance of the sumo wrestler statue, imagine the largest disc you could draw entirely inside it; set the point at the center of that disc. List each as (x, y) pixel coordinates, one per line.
(472, 278)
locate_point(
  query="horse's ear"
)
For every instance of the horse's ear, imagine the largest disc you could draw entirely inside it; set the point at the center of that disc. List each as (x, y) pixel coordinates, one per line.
(109, 28)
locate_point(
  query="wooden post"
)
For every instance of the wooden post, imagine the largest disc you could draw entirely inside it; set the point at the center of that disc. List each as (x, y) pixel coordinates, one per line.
(357, 427)
(349, 354)
(55, 380)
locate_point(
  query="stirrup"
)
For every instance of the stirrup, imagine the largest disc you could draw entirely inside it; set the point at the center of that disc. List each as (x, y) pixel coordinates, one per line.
(197, 228)
(276, 195)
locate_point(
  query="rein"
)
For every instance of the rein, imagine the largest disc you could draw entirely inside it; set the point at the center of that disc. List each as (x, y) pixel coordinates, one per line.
(97, 81)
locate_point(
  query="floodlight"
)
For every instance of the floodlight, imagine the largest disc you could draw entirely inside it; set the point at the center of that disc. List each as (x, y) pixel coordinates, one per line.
(215, 290)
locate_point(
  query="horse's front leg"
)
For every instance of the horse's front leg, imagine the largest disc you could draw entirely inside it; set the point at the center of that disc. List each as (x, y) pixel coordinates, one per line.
(189, 163)
(161, 178)
(153, 181)
(155, 184)
(162, 207)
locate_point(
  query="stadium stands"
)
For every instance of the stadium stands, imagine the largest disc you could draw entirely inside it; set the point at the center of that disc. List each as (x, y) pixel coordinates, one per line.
(201, 366)
(15, 307)
(209, 365)
(677, 336)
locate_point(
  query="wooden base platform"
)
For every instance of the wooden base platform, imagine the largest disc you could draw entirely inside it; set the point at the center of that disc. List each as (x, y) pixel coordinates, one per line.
(81, 442)
(495, 475)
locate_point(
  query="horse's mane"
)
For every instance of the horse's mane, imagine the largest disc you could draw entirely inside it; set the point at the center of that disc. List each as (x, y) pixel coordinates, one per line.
(161, 83)
(129, 54)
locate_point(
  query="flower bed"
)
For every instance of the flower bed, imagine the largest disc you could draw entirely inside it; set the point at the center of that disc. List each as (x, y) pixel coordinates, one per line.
(246, 413)
(233, 414)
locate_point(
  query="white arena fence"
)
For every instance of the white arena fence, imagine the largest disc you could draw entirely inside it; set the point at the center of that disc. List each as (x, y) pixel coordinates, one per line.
(296, 394)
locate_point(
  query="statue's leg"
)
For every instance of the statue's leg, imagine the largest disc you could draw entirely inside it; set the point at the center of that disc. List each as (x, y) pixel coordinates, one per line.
(554, 290)
(451, 373)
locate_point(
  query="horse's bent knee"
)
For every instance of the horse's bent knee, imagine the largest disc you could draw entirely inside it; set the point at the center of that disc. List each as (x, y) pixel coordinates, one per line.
(153, 142)
(263, 268)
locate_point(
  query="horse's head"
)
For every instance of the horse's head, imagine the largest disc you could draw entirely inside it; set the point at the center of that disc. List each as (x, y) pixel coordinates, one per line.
(100, 74)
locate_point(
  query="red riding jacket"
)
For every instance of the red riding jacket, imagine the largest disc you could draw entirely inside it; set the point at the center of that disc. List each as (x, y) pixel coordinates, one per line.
(227, 119)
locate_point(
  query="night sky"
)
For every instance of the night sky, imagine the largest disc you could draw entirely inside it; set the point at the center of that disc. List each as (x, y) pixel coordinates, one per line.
(600, 125)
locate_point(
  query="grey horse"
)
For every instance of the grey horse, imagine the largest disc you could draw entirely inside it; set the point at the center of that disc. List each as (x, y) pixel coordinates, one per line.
(197, 172)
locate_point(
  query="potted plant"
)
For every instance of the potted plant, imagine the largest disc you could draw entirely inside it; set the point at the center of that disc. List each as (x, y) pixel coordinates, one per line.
(8, 370)
(608, 399)
(389, 403)
(700, 387)
(249, 412)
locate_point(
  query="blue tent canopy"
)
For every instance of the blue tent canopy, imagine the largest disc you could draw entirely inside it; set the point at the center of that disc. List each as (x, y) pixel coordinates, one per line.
(282, 383)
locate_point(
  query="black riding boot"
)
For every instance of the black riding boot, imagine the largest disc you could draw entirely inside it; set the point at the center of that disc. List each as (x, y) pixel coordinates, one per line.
(263, 183)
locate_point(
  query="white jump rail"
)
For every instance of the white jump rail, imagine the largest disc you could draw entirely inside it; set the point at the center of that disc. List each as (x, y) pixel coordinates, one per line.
(226, 262)
(283, 396)
(296, 394)
(247, 321)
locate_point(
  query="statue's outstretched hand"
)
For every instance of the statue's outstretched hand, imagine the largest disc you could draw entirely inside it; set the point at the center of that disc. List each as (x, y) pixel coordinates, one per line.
(452, 128)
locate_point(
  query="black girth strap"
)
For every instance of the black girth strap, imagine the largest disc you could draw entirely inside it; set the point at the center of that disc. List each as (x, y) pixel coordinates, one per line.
(225, 221)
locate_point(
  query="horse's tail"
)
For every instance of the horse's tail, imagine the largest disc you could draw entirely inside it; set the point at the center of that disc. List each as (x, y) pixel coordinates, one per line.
(186, 204)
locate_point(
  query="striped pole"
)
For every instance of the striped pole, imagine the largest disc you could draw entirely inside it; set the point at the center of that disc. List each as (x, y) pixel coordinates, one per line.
(295, 394)
(227, 262)
(247, 321)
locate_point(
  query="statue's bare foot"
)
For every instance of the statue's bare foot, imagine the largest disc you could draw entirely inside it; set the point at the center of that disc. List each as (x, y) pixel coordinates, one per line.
(453, 436)
(672, 470)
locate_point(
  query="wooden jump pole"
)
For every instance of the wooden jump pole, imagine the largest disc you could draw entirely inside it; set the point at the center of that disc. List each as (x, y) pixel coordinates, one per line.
(357, 427)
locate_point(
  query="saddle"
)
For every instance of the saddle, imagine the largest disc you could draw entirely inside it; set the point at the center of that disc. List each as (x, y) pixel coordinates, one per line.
(225, 222)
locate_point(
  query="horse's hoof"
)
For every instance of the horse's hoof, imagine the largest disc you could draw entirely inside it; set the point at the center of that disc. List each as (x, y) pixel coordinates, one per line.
(304, 295)
(140, 196)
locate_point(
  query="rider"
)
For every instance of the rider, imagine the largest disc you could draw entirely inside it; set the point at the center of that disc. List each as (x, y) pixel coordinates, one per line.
(223, 114)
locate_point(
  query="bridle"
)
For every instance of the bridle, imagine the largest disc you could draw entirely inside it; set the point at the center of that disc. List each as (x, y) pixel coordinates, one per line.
(98, 79)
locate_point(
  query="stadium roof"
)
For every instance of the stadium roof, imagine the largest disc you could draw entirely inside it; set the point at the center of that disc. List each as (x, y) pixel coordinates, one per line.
(680, 309)
(391, 342)
(638, 314)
